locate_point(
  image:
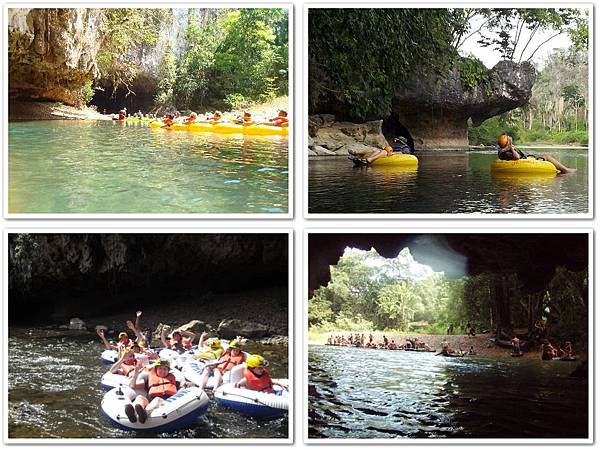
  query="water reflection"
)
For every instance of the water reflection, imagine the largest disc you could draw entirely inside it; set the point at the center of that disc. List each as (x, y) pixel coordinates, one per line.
(446, 182)
(361, 393)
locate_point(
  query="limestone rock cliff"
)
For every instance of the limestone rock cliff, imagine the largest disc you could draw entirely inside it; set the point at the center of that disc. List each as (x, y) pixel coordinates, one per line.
(435, 110)
(52, 52)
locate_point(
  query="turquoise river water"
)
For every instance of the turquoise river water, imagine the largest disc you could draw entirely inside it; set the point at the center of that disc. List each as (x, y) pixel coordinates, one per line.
(448, 183)
(105, 167)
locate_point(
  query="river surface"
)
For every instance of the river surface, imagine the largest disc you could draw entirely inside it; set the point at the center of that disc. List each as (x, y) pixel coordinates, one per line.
(54, 392)
(447, 183)
(364, 393)
(68, 166)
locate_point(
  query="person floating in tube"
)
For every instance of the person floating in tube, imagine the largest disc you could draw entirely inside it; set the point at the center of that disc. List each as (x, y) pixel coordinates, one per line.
(508, 152)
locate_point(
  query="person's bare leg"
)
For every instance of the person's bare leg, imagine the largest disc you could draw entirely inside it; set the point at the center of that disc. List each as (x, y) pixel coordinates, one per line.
(218, 378)
(376, 155)
(153, 404)
(559, 166)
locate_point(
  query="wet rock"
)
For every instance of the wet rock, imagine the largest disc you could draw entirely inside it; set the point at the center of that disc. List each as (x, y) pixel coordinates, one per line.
(77, 324)
(312, 153)
(275, 340)
(196, 327)
(322, 151)
(230, 328)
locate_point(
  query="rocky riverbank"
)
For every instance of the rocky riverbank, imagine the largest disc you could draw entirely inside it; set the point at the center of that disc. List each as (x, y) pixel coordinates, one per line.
(260, 315)
(326, 137)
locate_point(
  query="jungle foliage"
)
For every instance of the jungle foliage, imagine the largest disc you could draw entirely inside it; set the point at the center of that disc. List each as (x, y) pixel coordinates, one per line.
(557, 112)
(231, 57)
(388, 45)
(369, 292)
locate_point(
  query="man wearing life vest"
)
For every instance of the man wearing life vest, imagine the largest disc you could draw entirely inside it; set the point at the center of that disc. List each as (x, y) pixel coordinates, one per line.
(168, 121)
(508, 152)
(281, 120)
(122, 346)
(228, 360)
(180, 340)
(256, 377)
(160, 385)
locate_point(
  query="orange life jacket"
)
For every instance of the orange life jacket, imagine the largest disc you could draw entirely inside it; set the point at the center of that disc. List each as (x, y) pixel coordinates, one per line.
(228, 362)
(161, 387)
(262, 383)
(168, 121)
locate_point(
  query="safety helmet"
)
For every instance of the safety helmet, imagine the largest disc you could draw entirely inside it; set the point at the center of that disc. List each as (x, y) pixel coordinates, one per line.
(234, 344)
(388, 149)
(193, 114)
(256, 362)
(122, 335)
(503, 140)
(215, 343)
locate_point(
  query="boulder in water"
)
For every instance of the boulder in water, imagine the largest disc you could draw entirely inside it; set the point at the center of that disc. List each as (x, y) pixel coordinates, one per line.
(230, 328)
(77, 324)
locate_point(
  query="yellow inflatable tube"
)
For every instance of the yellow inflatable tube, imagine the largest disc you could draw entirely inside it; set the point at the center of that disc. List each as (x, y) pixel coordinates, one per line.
(396, 160)
(523, 166)
(226, 128)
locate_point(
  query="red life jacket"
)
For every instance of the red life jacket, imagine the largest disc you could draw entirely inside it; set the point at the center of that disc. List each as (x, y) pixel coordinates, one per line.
(280, 120)
(262, 383)
(161, 387)
(228, 362)
(121, 116)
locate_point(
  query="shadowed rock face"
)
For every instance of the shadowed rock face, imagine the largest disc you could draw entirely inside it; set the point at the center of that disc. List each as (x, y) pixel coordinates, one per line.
(533, 258)
(52, 52)
(105, 271)
(435, 110)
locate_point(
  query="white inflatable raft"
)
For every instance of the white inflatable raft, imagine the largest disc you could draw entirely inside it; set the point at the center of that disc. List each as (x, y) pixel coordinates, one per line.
(109, 357)
(179, 411)
(253, 403)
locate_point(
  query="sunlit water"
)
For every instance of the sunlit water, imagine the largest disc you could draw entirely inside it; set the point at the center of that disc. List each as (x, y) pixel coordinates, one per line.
(363, 393)
(447, 182)
(54, 392)
(107, 167)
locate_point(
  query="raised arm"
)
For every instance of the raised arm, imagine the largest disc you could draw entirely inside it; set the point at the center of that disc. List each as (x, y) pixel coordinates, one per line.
(100, 332)
(163, 335)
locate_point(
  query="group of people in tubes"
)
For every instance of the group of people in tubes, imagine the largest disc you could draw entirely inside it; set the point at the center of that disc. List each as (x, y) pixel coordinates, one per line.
(246, 119)
(139, 360)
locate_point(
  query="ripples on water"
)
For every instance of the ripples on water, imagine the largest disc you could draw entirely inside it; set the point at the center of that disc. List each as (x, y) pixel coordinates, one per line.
(363, 393)
(54, 392)
(447, 183)
(106, 167)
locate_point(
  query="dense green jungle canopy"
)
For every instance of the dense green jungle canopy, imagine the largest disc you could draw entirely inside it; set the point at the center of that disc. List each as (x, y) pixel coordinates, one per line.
(230, 58)
(370, 292)
(387, 45)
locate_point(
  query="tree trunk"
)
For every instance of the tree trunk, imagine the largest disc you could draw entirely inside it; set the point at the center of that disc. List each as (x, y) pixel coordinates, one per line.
(504, 328)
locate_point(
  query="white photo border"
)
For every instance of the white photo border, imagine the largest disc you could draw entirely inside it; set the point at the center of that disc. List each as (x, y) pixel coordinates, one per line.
(152, 441)
(452, 441)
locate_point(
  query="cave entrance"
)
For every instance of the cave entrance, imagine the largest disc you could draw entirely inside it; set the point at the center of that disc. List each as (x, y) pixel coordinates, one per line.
(140, 97)
(393, 128)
